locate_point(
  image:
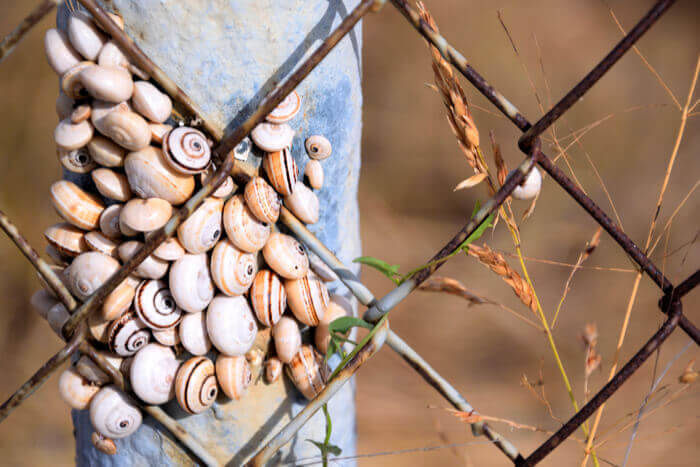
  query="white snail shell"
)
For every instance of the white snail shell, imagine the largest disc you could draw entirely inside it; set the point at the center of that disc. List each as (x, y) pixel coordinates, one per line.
(224, 190)
(84, 36)
(186, 150)
(103, 444)
(76, 206)
(231, 325)
(109, 221)
(145, 215)
(151, 177)
(42, 300)
(57, 317)
(272, 137)
(338, 307)
(107, 83)
(127, 335)
(273, 369)
(152, 374)
(281, 170)
(318, 147)
(106, 152)
(287, 338)
(530, 187)
(66, 238)
(169, 250)
(88, 272)
(314, 173)
(193, 333)
(119, 301)
(262, 200)
(156, 306)
(190, 283)
(127, 129)
(195, 385)
(242, 228)
(71, 84)
(59, 52)
(93, 373)
(75, 390)
(305, 372)
(69, 135)
(200, 232)
(286, 110)
(150, 268)
(100, 109)
(112, 55)
(76, 160)
(233, 270)
(81, 113)
(307, 298)
(113, 415)
(286, 256)
(111, 184)
(97, 241)
(303, 203)
(150, 102)
(268, 297)
(234, 375)
(169, 337)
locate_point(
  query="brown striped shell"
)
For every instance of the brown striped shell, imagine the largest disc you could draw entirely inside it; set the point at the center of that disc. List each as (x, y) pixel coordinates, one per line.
(242, 228)
(305, 372)
(281, 170)
(234, 375)
(186, 150)
(66, 238)
(307, 298)
(155, 305)
(233, 270)
(285, 110)
(200, 232)
(76, 206)
(127, 335)
(286, 256)
(268, 297)
(263, 200)
(195, 385)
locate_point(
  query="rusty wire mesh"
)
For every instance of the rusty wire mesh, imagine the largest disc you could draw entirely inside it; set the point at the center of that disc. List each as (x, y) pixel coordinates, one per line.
(670, 302)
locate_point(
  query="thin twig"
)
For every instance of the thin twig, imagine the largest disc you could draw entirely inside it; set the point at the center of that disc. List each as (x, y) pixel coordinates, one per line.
(9, 42)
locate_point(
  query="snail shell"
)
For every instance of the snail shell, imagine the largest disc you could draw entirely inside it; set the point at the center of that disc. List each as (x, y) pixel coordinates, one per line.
(112, 55)
(200, 232)
(286, 256)
(127, 335)
(71, 84)
(286, 110)
(152, 374)
(100, 109)
(109, 221)
(66, 238)
(234, 375)
(193, 333)
(57, 317)
(106, 152)
(84, 36)
(98, 326)
(103, 444)
(190, 283)
(107, 83)
(158, 131)
(112, 414)
(169, 250)
(76, 160)
(530, 187)
(314, 173)
(75, 390)
(224, 190)
(287, 338)
(231, 325)
(69, 135)
(151, 177)
(262, 200)
(281, 170)
(150, 268)
(145, 215)
(64, 105)
(271, 137)
(127, 129)
(186, 150)
(150, 102)
(305, 372)
(303, 203)
(233, 270)
(96, 241)
(88, 272)
(155, 305)
(93, 373)
(242, 228)
(268, 297)
(318, 147)
(273, 370)
(338, 307)
(119, 301)
(76, 206)
(307, 298)
(42, 300)
(111, 184)
(195, 385)
(169, 337)
(81, 113)
(59, 52)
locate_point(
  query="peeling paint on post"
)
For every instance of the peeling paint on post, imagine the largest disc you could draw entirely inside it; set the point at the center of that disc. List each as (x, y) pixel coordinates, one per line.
(227, 55)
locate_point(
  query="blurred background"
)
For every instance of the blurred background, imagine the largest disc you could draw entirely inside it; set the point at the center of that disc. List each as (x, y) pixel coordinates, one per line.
(411, 163)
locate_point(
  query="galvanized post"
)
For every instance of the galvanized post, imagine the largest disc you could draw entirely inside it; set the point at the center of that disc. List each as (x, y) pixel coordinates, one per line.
(227, 55)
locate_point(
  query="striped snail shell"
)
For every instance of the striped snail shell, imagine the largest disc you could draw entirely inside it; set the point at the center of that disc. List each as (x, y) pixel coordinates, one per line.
(76, 160)
(112, 413)
(190, 283)
(338, 306)
(262, 200)
(242, 228)
(75, 390)
(231, 325)
(195, 385)
(109, 221)
(186, 150)
(271, 137)
(305, 372)
(225, 189)
(287, 338)
(88, 272)
(150, 176)
(193, 333)
(158, 131)
(233, 270)
(76, 206)
(318, 147)
(66, 238)
(285, 110)
(307, 298)
(106, 152)
(234, 375)
(303, 203)
(200, 232)
(314, 173)
(273, 369)
(268, 297)
(155, 305)
(152, 374)
(286, 256)
(111, 184)
(97, 241)
(169, 337)
(60, 53)
(281, 170)
(150, 268)
(127, 334)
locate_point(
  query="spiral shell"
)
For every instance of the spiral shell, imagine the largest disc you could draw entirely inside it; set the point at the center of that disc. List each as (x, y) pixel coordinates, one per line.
(224, 190)
(84, 35)
(155, 305)
(271, 137)
(169, 337)
(314, 173)
(231, 325)
(144, 215)
(70, 136)
(281, 170)
(152, 374)
(242, 228)
(71, 84)
(88, 272)
(151, 177)
(307, 298)
(107, 83)
(128, 129)
(303, 203)
(530, 187)
(195, 385)
(111, 184)
(106, 152)
(233, 270)
(96, 241)
(287, 338)
(305, 372)
(193, 333)
(150, 102)
(186, 150)
(200, 232)
(59, 52)
(318, 147)
(76, 160)
(234, 375)
(338, 306)
(262, 200)
(273, 370)
(76, 206)
(100, 109)
(268, 297)
(190, 283)
(112, 413)
(66, 238)
(150, 268)
(75, 390)
(285, 110)
(127, 335)
(286, 256)
(109, 221)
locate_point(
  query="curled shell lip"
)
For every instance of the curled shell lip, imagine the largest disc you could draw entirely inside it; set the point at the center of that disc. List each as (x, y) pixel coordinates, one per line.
(71, 84)
(59, 52)
(109, 221)
(150, 176)
(285, 110)
(127, 334)
(66, 238)
(318, 147)
(186, 150)
(76, 160)
(272, 137)
(76, 206)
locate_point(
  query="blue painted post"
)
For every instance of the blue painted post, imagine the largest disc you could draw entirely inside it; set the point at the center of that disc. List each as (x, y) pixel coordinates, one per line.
(227, 54)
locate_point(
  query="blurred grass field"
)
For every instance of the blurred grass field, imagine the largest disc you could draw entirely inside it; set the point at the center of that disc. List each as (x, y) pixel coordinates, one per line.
(411, 163)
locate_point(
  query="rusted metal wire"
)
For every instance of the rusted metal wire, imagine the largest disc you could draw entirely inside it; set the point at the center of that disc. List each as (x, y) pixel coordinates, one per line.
(9, 42)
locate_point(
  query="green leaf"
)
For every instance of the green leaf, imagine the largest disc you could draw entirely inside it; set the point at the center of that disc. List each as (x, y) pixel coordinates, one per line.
(343, 324)
(476, 235)
(389, 270)
(326, 448)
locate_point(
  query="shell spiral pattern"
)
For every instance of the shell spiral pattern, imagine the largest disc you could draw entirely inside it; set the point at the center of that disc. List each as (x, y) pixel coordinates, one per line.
(186, 150)
(156, 306)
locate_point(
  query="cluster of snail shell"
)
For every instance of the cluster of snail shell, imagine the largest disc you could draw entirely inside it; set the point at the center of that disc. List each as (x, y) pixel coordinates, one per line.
(183, 325)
